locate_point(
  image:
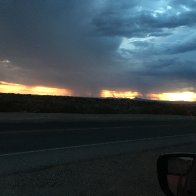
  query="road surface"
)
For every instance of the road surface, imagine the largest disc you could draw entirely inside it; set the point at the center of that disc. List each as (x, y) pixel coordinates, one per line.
(32, 134)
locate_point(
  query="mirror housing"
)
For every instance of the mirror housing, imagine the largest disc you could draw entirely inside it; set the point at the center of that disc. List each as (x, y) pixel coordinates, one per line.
(177, 174)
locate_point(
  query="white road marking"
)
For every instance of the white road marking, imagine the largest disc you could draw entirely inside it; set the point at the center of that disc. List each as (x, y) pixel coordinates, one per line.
(82, 129)
(96, 144)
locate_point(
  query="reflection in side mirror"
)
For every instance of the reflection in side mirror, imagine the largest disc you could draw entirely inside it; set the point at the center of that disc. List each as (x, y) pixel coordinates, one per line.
(177, 174)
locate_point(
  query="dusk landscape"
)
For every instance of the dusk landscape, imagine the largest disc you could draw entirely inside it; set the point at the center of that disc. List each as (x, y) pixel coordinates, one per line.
(97, 97)
(102, 48)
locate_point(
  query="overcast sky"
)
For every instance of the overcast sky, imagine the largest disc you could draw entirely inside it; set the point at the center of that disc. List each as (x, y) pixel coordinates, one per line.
(89, 45)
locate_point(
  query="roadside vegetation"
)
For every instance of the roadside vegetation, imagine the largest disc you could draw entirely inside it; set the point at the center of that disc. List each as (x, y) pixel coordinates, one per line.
(60, 104)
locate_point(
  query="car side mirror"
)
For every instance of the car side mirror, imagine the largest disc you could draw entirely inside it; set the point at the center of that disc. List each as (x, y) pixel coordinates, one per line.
(177, 174)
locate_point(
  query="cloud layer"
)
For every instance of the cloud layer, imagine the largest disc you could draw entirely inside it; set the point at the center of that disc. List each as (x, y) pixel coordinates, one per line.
(140, 45)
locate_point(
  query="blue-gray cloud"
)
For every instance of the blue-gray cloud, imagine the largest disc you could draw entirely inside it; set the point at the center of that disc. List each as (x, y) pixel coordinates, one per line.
(91, 45)
(140, 22)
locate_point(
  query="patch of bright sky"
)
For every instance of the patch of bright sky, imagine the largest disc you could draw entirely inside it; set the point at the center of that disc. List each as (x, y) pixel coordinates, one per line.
(7, 87)
(162, 10)
(174, 96)
(127, 44)
(119, 94)
(185, 8)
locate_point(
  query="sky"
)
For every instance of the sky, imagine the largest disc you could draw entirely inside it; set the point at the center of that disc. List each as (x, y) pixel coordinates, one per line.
(130, 48)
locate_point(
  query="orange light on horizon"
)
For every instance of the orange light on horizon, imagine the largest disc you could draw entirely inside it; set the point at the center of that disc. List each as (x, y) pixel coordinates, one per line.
(6, 87)
(173, 96)
(119, 94)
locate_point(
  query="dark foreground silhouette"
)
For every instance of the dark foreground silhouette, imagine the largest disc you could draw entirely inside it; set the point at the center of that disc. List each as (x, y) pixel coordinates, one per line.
(60, 104)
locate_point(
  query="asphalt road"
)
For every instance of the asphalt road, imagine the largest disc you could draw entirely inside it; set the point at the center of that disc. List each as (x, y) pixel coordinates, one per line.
(22, 136)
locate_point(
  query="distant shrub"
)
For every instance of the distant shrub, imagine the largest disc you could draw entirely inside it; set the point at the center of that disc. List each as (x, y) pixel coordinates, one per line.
(59, 104)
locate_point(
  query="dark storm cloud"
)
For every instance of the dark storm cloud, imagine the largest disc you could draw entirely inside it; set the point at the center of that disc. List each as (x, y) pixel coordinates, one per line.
(53, 41)
(172, 68)
(181, 47)
(140, 23)
(92, 45)
(164, 75)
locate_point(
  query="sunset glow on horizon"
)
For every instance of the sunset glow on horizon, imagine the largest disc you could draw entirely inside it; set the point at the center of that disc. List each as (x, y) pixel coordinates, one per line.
(174, 96)
(6, 87)
(119, 94)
